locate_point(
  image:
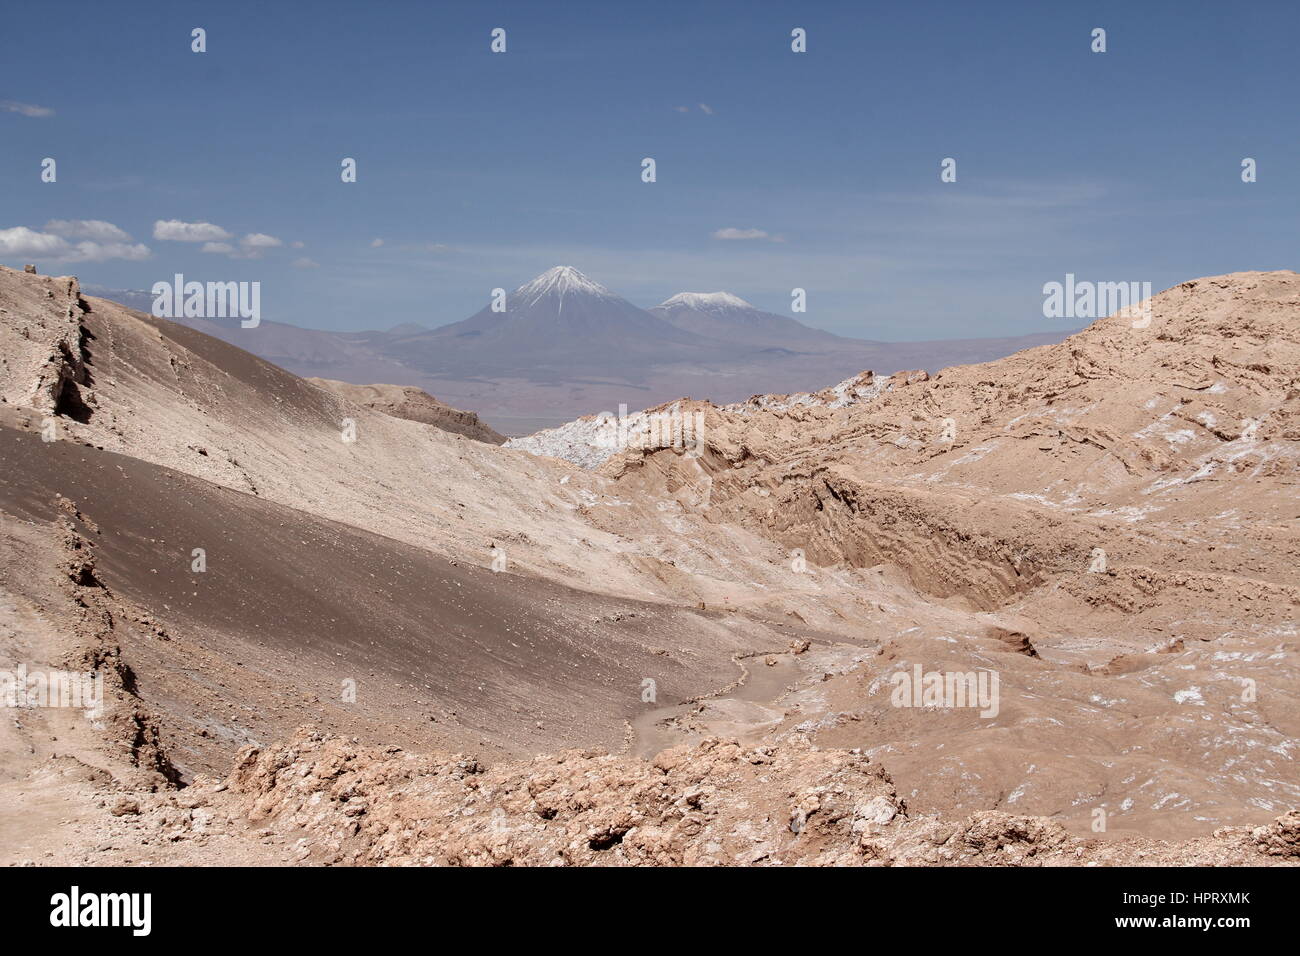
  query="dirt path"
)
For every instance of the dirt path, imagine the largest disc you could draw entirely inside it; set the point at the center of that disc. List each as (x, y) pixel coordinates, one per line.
(748, 709)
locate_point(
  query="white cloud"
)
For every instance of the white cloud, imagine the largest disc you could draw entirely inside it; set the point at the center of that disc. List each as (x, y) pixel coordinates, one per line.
(707, 108)
(259, 240)
(296, 244)
(100, 251)
(20, 241)
(250, 246)
(732, 233)
(177, 231)
(253, 244)
(376, 243)
(305, 263)
(96, 229)
(26, 109)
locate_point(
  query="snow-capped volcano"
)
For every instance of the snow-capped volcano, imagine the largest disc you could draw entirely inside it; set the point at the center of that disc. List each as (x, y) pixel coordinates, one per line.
(559, 281)
(705, 302)
(725, 317)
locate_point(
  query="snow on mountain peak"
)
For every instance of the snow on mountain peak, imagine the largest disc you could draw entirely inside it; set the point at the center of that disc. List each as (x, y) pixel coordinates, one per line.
(562, 281)
(705, 301)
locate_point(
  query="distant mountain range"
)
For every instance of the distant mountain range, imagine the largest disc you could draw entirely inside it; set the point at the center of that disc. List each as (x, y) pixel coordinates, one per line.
(565, 346)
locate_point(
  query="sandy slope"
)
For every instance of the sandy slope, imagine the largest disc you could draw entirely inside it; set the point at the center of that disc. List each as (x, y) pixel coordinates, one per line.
(404, 401)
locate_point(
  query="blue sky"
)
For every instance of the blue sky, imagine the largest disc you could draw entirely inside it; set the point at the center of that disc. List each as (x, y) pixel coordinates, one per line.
(479, 170)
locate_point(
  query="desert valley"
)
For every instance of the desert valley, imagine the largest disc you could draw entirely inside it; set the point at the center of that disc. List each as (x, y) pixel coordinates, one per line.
(343, 620)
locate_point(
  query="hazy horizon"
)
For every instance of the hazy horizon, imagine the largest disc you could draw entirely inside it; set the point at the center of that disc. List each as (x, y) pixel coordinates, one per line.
(142, 300)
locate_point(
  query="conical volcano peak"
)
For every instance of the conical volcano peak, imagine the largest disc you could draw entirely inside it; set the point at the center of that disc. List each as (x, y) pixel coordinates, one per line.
(705, 301)
(562, 281)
